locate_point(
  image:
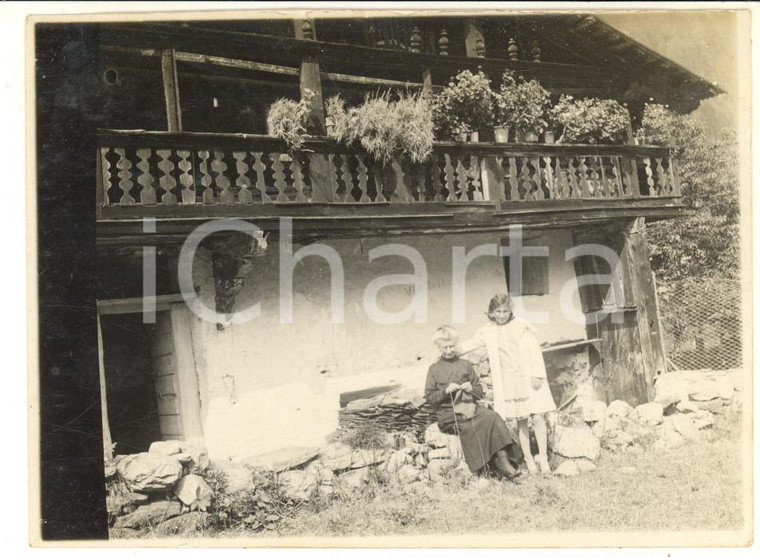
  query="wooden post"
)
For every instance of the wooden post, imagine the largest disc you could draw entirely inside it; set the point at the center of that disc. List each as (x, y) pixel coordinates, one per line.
(171, 90)
(187, 375)
(311, 80)
(107, 441)
(304, 29)
(645, 296)
(99, 193)
(473, 39)
(427, 80)
(492, 177)
(623, 354)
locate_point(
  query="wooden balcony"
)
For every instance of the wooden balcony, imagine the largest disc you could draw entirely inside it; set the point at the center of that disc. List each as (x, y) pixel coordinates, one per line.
(189, 177)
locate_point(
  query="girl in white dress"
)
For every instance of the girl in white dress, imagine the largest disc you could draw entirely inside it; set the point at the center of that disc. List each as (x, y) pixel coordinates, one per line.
(521, 389)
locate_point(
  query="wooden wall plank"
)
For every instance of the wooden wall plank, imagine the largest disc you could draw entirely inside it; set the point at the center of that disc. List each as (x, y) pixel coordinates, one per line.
(187, 374)
(166, 385)
(168, 405)
(162, 345)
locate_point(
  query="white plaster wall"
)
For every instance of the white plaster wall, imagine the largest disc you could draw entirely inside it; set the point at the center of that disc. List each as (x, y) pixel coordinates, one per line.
(556, 325)
(268, 384)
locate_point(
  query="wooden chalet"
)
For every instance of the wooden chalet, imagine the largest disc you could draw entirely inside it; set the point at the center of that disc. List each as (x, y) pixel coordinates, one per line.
(184, 142)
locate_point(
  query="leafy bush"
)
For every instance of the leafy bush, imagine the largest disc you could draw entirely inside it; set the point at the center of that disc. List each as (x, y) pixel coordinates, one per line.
(706, 242)
(590, 120)
(260, 507)
(386, 127)
(289, 119)
(466, 105)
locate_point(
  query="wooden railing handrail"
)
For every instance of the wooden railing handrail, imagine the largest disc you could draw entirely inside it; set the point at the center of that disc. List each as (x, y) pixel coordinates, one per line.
(210, 140)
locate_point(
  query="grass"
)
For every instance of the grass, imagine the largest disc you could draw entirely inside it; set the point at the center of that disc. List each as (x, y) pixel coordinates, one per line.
(697, 486)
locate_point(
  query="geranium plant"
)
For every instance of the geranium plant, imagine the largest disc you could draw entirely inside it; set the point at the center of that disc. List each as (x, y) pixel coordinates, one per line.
(465, 105)
(506, 101)
(531, 106)
(590, 120)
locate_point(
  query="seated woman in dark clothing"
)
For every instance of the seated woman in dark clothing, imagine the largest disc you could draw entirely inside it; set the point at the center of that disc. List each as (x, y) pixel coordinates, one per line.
(452, 386)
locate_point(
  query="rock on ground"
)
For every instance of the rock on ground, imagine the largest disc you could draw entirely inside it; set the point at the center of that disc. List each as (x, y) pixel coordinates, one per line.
(618, 439)
(238, 475)
(567, 468)
(356, 479)
(612, 423)
(297, 484)
(150, 514)
(182, 524)
(150, 472)
(283, 459)
(339, 456)
(408, 474)
(124, 503)
(686, 406)
(594, 411)
(697, 385)
(684, 424)
(576, 441)
(703, 419)
(584, 465)
(435, 437)
(193, 456)
(437, 469)
(398, 459)
(194, 492)
(598, 428)
(167, 448)
(443, 452)
(618, 408)
(649, 413)
(667, 436)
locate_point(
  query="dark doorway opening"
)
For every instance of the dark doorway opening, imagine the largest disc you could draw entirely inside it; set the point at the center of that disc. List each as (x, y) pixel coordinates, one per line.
(130, 382)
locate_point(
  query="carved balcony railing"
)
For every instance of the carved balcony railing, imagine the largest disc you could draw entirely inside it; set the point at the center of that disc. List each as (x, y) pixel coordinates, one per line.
(177, 171)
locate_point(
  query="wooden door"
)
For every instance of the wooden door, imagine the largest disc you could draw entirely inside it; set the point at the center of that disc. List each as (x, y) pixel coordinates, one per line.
(165, 378)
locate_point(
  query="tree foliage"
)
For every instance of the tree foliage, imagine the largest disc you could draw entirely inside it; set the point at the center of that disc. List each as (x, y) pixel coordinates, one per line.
(706, 243)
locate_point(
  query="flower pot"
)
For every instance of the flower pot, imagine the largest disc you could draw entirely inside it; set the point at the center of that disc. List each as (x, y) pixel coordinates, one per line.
(531, 137)
(474, 137)
(462, 137)
(549, 137)
(501, 134)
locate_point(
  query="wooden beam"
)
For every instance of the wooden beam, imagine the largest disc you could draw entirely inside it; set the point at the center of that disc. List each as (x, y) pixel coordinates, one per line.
(107, 440)
(171, 91)
(135, 305)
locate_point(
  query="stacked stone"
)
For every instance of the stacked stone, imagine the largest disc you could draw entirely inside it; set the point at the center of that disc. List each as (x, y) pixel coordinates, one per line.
(400, 410)
(685, 403)
(161, 487)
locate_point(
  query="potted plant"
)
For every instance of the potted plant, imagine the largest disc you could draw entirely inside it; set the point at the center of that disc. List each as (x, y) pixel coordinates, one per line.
(288, 119)
(386, 128)
(531, 107)
(590, 120)
(465, 105)
(504, 107)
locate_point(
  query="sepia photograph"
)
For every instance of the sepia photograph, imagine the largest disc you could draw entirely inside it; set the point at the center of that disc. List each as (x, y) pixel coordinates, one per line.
(391, 277)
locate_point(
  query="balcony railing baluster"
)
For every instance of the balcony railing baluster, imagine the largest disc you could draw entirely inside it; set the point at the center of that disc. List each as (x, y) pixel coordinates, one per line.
(181, 169)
